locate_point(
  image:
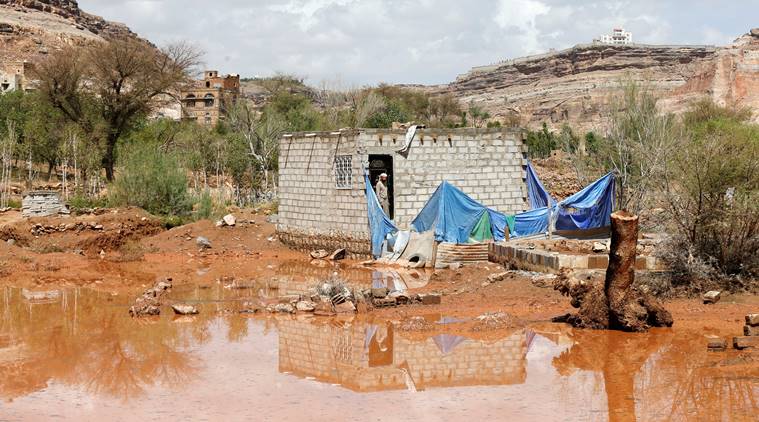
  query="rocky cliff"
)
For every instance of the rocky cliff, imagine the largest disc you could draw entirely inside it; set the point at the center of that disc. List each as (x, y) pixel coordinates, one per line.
(32, 28)
(575, 86)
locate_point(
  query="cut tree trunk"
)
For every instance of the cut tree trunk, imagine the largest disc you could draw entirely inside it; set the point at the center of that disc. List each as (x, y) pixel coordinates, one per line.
(615, 304)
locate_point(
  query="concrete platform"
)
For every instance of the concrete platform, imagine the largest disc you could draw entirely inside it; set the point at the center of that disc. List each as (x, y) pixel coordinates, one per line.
(523, 258)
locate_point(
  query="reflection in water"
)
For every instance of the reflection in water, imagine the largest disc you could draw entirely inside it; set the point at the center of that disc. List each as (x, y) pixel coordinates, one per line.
(665, 375)
(84, 341)
(373, 357)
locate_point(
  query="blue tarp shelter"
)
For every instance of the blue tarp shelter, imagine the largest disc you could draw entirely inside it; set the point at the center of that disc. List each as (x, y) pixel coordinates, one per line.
(379, 223)
(589, 208)
(536, 192)
(454, 215)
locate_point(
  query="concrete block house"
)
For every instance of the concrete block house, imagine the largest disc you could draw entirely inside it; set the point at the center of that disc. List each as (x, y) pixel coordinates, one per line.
(322, 189)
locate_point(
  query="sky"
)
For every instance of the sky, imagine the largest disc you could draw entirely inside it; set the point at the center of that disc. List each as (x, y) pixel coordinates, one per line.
(351, 43)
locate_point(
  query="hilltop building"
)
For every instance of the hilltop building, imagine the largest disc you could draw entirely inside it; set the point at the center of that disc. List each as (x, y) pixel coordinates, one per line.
(618, 36)
(206, 100)
(16, 76)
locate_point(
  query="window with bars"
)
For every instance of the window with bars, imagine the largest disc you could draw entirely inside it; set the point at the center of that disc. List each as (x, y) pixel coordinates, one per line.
(343, 171)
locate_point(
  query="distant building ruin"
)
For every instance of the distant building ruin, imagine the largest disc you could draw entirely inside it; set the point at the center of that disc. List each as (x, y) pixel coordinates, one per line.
(618, 36)
(206, 100)
(322, 200)
(16, 76)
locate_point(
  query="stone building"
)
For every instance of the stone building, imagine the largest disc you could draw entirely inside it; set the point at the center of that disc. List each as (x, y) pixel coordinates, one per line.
(206, 100)
(322, 201)
(16, 76)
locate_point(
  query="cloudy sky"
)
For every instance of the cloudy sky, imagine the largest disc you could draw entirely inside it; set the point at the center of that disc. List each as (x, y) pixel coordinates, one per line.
(358, 42)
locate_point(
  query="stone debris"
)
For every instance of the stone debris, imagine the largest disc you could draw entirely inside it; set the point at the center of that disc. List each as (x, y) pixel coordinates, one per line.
(203, 243)
(712, 297)
(494, 278)
(379, 292)
(750, 331)
(716, 344)
(229, 220)
(752, 320)
(149, 302)
(599, 247)
(745, 342)
(319, 254)
(282, 308)
(337, 255)
(182, 309)
(43, 203)
(430, 299)
(305, 306)
(384, 302)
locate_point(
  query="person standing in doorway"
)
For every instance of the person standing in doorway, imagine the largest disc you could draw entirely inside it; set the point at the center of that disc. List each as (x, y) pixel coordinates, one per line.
(382, 194)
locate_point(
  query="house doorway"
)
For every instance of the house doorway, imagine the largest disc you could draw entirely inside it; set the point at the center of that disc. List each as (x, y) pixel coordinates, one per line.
(379, 164)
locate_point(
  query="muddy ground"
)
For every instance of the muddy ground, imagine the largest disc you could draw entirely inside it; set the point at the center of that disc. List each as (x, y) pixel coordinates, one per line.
(487, 351)
(125, 250)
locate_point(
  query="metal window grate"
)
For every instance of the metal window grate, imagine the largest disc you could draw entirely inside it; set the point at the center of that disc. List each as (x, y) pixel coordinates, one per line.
(343, 171)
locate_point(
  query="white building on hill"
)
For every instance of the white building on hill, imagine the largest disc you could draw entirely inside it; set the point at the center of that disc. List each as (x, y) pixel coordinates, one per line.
(618, 36)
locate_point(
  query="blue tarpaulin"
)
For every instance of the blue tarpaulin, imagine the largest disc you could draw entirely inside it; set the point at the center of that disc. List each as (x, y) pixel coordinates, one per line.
(589, 208)
(530, 222)
(453, 215)
(536, 192)
(379, 223)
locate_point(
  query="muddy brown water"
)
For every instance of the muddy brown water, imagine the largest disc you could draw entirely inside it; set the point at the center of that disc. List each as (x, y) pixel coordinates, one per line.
(76, 354)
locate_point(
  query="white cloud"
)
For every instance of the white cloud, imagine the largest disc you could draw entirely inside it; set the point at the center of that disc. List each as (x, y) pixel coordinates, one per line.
(422, 41)
(522, 15)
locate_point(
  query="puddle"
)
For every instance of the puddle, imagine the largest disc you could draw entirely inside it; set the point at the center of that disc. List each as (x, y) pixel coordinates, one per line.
(77, 354)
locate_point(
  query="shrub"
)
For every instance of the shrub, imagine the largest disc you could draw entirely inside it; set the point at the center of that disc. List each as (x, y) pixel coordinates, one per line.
(153, 181)
(712, 188)
(541, 143)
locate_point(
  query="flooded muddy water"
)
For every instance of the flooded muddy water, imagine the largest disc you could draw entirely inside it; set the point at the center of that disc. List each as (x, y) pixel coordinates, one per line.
(76, 354)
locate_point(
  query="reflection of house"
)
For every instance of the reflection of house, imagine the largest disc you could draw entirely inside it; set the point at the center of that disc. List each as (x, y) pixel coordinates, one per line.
(373, 357)
(15, 76)
(206, 100)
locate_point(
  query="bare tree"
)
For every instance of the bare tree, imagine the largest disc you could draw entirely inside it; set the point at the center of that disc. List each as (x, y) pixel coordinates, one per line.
(122, 79)
(7, 146)
(260, 133)
(640, 141)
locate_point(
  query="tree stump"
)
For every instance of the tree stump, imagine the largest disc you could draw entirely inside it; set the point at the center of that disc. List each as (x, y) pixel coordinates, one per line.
(615, 304)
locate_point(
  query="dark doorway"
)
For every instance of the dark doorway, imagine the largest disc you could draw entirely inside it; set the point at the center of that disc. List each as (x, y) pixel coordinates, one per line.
(379, 164)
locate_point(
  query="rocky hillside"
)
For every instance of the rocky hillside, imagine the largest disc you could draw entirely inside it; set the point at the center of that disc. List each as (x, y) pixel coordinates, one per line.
(575, 85)
(32, 28)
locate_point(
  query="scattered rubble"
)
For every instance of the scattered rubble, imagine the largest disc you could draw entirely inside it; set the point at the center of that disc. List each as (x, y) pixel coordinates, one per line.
(750, 338)
(149, 302)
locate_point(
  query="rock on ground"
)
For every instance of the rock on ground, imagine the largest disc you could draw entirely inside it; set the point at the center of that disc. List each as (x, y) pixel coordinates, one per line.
(182, 309)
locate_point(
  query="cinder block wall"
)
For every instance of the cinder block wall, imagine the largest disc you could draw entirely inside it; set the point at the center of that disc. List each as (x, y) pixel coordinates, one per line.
(487, 164)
